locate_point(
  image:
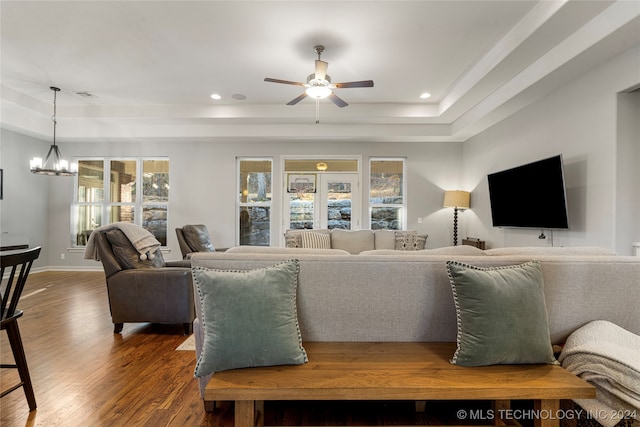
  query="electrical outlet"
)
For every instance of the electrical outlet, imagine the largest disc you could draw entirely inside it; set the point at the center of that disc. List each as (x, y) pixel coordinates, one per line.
(419, 220)
(61, 256)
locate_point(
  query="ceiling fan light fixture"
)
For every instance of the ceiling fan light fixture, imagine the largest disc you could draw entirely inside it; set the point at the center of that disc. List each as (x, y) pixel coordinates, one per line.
(318, 92)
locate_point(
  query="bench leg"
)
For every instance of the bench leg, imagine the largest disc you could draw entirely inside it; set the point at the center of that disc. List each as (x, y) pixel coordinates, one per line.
(244, 413)
(500, 407)
(259, 416)
(209, 405)
(550, 408)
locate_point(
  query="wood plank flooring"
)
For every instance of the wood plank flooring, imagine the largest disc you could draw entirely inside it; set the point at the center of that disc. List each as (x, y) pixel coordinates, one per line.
(84, 375)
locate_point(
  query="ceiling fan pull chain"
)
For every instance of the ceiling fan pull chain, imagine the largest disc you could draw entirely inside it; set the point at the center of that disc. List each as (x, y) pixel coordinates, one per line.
(317, 111)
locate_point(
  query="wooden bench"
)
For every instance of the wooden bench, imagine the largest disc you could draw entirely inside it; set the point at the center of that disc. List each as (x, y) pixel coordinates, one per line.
(394, 371)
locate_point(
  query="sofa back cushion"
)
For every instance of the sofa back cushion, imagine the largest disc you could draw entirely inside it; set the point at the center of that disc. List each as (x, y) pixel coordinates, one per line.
(554, 250)
(353, 242)
(384, 239)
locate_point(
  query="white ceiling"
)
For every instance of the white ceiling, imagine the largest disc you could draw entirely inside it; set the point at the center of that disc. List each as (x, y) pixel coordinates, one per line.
(151, 66)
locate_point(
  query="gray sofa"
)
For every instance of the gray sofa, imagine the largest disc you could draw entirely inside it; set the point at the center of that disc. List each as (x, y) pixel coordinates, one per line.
(390, 295)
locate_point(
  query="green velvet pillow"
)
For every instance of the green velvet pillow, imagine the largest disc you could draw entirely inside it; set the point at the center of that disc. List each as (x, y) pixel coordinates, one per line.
(249, 318)
(501, 313)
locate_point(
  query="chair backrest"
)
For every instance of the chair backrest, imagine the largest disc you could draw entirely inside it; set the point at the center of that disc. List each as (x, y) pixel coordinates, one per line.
(184, 246)
(107, 257)
(19, 263)
(194, 238)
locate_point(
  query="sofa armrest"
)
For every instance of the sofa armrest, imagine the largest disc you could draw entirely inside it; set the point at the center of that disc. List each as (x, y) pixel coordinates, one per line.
(167, 294)
(182, 263)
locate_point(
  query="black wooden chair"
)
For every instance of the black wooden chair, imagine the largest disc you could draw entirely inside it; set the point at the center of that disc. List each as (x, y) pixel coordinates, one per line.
(18, 264)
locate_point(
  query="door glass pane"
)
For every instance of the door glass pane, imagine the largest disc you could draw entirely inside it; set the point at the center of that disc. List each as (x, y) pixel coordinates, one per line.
(123, 181)
(155, 181)
(339, 205)
(90, 181)
(254, 225)
(301, 210)
(386, 218)
(89, 218)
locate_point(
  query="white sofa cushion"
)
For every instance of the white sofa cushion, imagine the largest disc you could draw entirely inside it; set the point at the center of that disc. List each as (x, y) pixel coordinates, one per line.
(384, 239)
(353, 242)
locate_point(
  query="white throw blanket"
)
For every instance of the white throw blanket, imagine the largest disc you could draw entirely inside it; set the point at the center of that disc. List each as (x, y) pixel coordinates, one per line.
(608, 357)
(144, 242)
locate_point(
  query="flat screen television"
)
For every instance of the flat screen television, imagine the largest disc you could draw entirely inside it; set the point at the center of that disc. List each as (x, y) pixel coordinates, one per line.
(530, 196)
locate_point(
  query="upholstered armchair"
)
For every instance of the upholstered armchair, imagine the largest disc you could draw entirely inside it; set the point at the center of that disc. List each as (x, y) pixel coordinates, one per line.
(194, 238)
(144, 290)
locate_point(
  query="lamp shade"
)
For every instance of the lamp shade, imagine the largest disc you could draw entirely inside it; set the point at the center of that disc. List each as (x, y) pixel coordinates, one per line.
(456, 199)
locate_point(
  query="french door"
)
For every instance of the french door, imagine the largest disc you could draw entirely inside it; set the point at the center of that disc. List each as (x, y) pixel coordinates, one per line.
(334, 204)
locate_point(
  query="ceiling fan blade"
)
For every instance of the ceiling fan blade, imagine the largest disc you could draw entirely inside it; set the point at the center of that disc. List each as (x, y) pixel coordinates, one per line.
(287, 82)
(321, 69)
(337, 100)
(363, 83)
(298, 99)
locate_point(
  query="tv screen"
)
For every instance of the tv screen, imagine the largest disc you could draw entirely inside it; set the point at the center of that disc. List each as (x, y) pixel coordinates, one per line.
(530, 196)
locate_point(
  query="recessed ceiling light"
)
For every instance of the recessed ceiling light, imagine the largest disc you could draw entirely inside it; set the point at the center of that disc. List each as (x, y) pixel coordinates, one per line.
(215, 96)
(425, 95)
(238, 96)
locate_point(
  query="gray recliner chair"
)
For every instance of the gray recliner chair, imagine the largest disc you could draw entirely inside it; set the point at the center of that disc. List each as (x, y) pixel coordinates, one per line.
(194, 238)
(144, 290)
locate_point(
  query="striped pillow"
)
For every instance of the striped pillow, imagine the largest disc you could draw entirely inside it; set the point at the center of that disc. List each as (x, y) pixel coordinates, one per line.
(316, 240)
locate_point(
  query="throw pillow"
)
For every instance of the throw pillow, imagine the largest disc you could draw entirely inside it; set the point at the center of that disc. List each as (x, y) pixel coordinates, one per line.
(501, 315)
(315, 240)
(410, 241)
(127, 256)
(197, 237)
(293, 240)
(249, 318)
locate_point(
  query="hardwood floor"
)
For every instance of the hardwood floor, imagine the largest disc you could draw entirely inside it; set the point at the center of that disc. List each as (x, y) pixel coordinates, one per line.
(84, 375)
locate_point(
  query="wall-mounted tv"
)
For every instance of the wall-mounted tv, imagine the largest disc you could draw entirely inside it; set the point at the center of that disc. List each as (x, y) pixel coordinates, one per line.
(530, 196)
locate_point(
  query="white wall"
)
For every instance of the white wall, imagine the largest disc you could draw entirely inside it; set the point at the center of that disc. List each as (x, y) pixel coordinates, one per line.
(25, 206)
(628, 172)
(580, 121)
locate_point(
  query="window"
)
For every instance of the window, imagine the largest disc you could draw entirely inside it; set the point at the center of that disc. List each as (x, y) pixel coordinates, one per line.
(387, 204)
(108, 190)
(254, 202)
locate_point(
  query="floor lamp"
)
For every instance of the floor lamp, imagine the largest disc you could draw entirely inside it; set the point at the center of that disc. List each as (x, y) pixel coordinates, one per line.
(457, 200)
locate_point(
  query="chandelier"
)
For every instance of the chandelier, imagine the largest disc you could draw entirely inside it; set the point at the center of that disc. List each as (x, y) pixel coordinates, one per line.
(54, 163)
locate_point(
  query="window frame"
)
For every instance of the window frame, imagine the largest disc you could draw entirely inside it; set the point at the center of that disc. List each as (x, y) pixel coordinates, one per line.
(105, 205)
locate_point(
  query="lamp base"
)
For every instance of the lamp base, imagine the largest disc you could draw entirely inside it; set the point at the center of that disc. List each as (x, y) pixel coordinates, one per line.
(455, 226)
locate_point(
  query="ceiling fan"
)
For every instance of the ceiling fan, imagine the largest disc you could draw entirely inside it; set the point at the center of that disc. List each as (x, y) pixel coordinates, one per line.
(319, 84)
